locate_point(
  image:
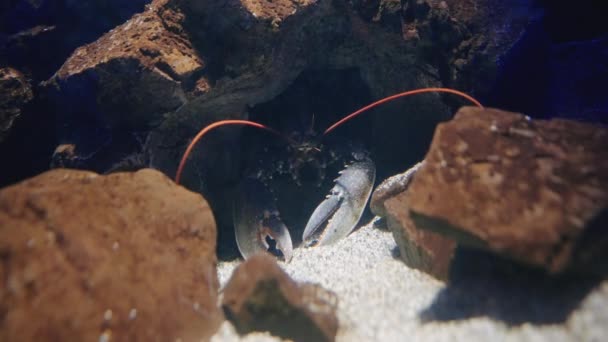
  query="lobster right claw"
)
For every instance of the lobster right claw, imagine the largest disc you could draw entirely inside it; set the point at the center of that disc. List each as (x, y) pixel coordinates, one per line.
(340, 212)
(257, 222)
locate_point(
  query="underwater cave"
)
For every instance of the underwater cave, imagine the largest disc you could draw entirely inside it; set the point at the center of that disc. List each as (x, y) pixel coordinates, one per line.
(395, 136)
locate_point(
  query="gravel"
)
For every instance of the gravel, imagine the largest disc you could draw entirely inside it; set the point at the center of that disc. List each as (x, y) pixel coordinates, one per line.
(381, 299)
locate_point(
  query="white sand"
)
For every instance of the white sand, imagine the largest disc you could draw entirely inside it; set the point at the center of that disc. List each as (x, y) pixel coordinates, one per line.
(381, 299)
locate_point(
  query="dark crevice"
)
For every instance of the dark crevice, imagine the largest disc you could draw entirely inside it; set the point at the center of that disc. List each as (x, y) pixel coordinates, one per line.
(315, 100)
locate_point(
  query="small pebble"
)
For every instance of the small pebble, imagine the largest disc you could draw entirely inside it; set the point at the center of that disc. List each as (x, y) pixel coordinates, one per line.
(106, 336)
(107, 315)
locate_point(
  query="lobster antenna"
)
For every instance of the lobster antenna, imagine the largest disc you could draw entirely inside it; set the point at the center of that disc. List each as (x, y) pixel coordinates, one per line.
(312, 130)
(208, 128)
(400, 95)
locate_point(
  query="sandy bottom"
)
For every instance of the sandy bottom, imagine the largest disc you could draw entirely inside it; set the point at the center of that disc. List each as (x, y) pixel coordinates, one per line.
(382, 299)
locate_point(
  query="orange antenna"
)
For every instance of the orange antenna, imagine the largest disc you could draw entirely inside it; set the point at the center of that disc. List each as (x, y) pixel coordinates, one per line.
(208, 128)
(400, 95)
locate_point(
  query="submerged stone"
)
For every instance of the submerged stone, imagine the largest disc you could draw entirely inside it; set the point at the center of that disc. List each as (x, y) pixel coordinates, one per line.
(532, 190)
(260, 296)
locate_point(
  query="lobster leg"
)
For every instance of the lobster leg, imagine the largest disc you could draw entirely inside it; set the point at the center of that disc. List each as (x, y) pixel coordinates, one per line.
(341, 210)
(257, 223)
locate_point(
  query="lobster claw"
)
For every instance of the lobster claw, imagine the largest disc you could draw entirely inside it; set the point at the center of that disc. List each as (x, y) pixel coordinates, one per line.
(257, 224)
(341, 210)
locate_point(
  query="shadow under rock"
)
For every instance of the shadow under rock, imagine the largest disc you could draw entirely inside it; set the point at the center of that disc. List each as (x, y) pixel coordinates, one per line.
(482, 284)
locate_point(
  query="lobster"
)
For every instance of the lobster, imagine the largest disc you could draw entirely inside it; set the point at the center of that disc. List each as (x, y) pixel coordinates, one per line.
(257, 220)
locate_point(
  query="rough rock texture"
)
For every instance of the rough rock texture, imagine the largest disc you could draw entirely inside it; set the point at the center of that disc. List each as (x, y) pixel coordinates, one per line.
(125, 257)
(15, 92)
(427, 251)
(124, 83)
(138, 68)
(533, 190)
(261, 297)
(212, 60)
(36, 36)
(424, 250)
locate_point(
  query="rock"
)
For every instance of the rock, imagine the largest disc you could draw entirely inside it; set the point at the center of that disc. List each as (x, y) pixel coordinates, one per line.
(122, 85)
(458, 37)
(532, 190)
(141, 69)
(424, 250)
(36, 36)
(128, 256)
(15, 92)
(260, 296)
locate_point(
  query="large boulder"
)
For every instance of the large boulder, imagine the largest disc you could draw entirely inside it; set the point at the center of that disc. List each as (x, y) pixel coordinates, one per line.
(125, 257)
(532, 190)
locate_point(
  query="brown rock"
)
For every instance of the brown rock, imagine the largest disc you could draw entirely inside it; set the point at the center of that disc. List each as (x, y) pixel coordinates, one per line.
(533, 190)
(15, 92)
(142, 69)
(261, 297)
(125, 257)
(421, 249)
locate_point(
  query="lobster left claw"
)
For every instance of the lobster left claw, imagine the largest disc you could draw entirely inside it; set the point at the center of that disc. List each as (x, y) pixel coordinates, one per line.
(340, 212)
(257, 222)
